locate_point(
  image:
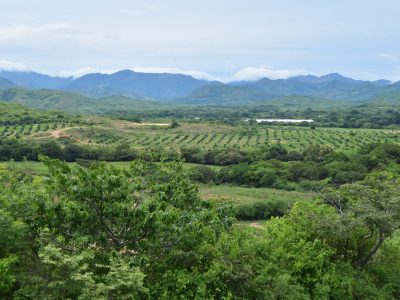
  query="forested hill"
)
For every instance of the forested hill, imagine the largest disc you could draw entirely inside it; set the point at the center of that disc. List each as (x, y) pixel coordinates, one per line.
(14, 113)
(72, 102)
(184, 89)
(331, 86)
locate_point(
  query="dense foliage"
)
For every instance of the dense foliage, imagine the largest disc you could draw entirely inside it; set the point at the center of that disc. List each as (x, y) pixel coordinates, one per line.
(15, 114)
(328, 114)
(99, 232)
(89, 230)
(71, 102)
(266, 166)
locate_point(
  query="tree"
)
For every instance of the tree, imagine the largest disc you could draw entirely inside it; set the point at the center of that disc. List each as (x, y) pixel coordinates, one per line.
(102, 232)
(369, 214)
(317, 153)
(51, 149)
(174, 124)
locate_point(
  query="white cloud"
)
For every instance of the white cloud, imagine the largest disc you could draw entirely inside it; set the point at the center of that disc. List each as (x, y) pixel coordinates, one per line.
(141, 10)
(245, 74)
(194, 73)
(82, 71)
(28, 34)
(255, 73)
(12, 66)
(387, 56)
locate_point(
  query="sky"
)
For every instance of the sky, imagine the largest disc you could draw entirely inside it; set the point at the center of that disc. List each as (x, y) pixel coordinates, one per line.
(211, 39)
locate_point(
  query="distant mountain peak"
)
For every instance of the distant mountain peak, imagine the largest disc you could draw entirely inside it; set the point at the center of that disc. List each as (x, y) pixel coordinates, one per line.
(336, 76)
(333, 75)
(124, 72)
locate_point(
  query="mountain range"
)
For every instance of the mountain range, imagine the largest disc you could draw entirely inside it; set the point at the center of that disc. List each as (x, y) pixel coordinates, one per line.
(127, 86)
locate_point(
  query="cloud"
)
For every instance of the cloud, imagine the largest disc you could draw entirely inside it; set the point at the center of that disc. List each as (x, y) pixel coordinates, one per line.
(82, 71)
(141, 10)
(12, 66)
(25, 34)
(193, 73)
(86, 70)
(245, 74)
(387, 56)
(255, 73)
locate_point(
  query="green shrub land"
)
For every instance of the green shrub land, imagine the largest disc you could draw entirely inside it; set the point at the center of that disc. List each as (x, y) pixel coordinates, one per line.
(194, 203)
(103, 232)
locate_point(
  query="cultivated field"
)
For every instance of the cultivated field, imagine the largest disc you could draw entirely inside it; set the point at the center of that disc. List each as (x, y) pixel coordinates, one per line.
(200, 135)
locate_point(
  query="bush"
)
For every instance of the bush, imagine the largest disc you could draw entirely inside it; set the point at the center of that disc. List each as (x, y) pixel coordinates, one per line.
(203, 174)
(261, 210)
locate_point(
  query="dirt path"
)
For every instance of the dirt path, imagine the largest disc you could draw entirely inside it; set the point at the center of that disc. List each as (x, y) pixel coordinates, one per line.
(57, 133)
(256, 225)
(151, 124)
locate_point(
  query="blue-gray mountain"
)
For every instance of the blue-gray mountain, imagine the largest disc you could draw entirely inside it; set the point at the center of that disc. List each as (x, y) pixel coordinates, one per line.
(127, 83)
(332, 86)
(133, 84)
(35, 80)
(5, 84)
(184, 89)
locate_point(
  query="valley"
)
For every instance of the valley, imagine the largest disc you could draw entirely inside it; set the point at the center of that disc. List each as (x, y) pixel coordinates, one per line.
(205, 150)
(258, 168)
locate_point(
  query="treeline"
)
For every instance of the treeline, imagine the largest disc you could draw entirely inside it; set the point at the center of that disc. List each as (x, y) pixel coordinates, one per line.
(275, 167)
(18, 150)
(363, 116)
(351, 116)
(267, 166)
(145, 233)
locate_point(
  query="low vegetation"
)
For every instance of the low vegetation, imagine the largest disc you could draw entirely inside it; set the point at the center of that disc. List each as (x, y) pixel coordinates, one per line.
(177, 208)
(105, 232)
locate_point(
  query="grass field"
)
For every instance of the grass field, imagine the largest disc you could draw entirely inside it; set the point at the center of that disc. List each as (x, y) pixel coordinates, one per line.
(200, 135)
(254, 223)
(244, 195)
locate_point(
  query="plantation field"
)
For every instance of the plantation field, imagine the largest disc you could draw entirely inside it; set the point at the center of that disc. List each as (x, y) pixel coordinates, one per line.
(292, 138)
(200, 135)
(19, 131)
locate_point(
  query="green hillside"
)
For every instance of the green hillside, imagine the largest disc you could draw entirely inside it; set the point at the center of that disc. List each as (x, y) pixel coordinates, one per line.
(14, 113)
(307, 101)
(72, 102)
(222, 95)
(390, 98)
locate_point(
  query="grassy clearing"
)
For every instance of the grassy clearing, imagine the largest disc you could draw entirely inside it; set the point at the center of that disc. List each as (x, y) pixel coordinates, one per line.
(26, 167)
(244, 195)
(258, 224)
